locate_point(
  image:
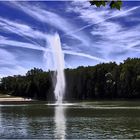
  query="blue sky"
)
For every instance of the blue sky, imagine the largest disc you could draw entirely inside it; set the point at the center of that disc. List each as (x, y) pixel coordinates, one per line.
(89, 35)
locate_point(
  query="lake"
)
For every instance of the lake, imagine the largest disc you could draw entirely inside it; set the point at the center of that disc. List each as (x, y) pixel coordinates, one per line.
(83, 120)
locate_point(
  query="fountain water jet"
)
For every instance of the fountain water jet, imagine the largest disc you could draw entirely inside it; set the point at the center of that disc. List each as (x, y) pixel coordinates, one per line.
(58, 66)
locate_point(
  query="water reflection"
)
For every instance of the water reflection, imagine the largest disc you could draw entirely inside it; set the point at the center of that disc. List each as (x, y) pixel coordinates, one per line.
(70, 121)
(13, 123)
(60, 122)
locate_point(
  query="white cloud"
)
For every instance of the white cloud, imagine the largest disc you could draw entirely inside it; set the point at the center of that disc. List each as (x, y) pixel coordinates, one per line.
(34, 47)
(15, 70)
(9, 64)
(53, 19)
(113, 37)
(96, 16)
(57, 21)
(8, 42)
(23, 30)
(85, 55)
(7, 58)
(104, 40)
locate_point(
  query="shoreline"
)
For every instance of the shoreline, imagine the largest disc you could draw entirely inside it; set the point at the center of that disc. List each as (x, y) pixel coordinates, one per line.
(3, 99)
(8, 99)
(16, 101)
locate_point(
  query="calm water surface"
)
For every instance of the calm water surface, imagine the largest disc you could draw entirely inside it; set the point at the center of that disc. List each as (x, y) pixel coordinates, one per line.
(103, 119)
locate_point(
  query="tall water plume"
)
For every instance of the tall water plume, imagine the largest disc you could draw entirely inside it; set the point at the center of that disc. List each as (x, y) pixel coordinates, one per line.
(57, 57)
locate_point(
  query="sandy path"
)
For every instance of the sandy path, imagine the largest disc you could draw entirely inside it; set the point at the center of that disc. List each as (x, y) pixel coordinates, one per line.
(12, 99)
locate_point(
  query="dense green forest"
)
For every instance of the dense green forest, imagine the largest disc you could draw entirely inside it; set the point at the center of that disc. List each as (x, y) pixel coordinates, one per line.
(103, 81)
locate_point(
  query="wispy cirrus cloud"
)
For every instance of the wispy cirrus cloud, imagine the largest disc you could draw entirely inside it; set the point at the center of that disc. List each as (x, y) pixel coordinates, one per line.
(7, 42)
(26, 45)
(91, 36)
(6, 58)
(9, 64)
(14, 70)
(51, 18)
(112, 36)
(94, 16)
(23, 30)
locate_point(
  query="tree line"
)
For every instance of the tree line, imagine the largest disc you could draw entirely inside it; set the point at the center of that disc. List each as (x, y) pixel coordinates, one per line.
(103, 81)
